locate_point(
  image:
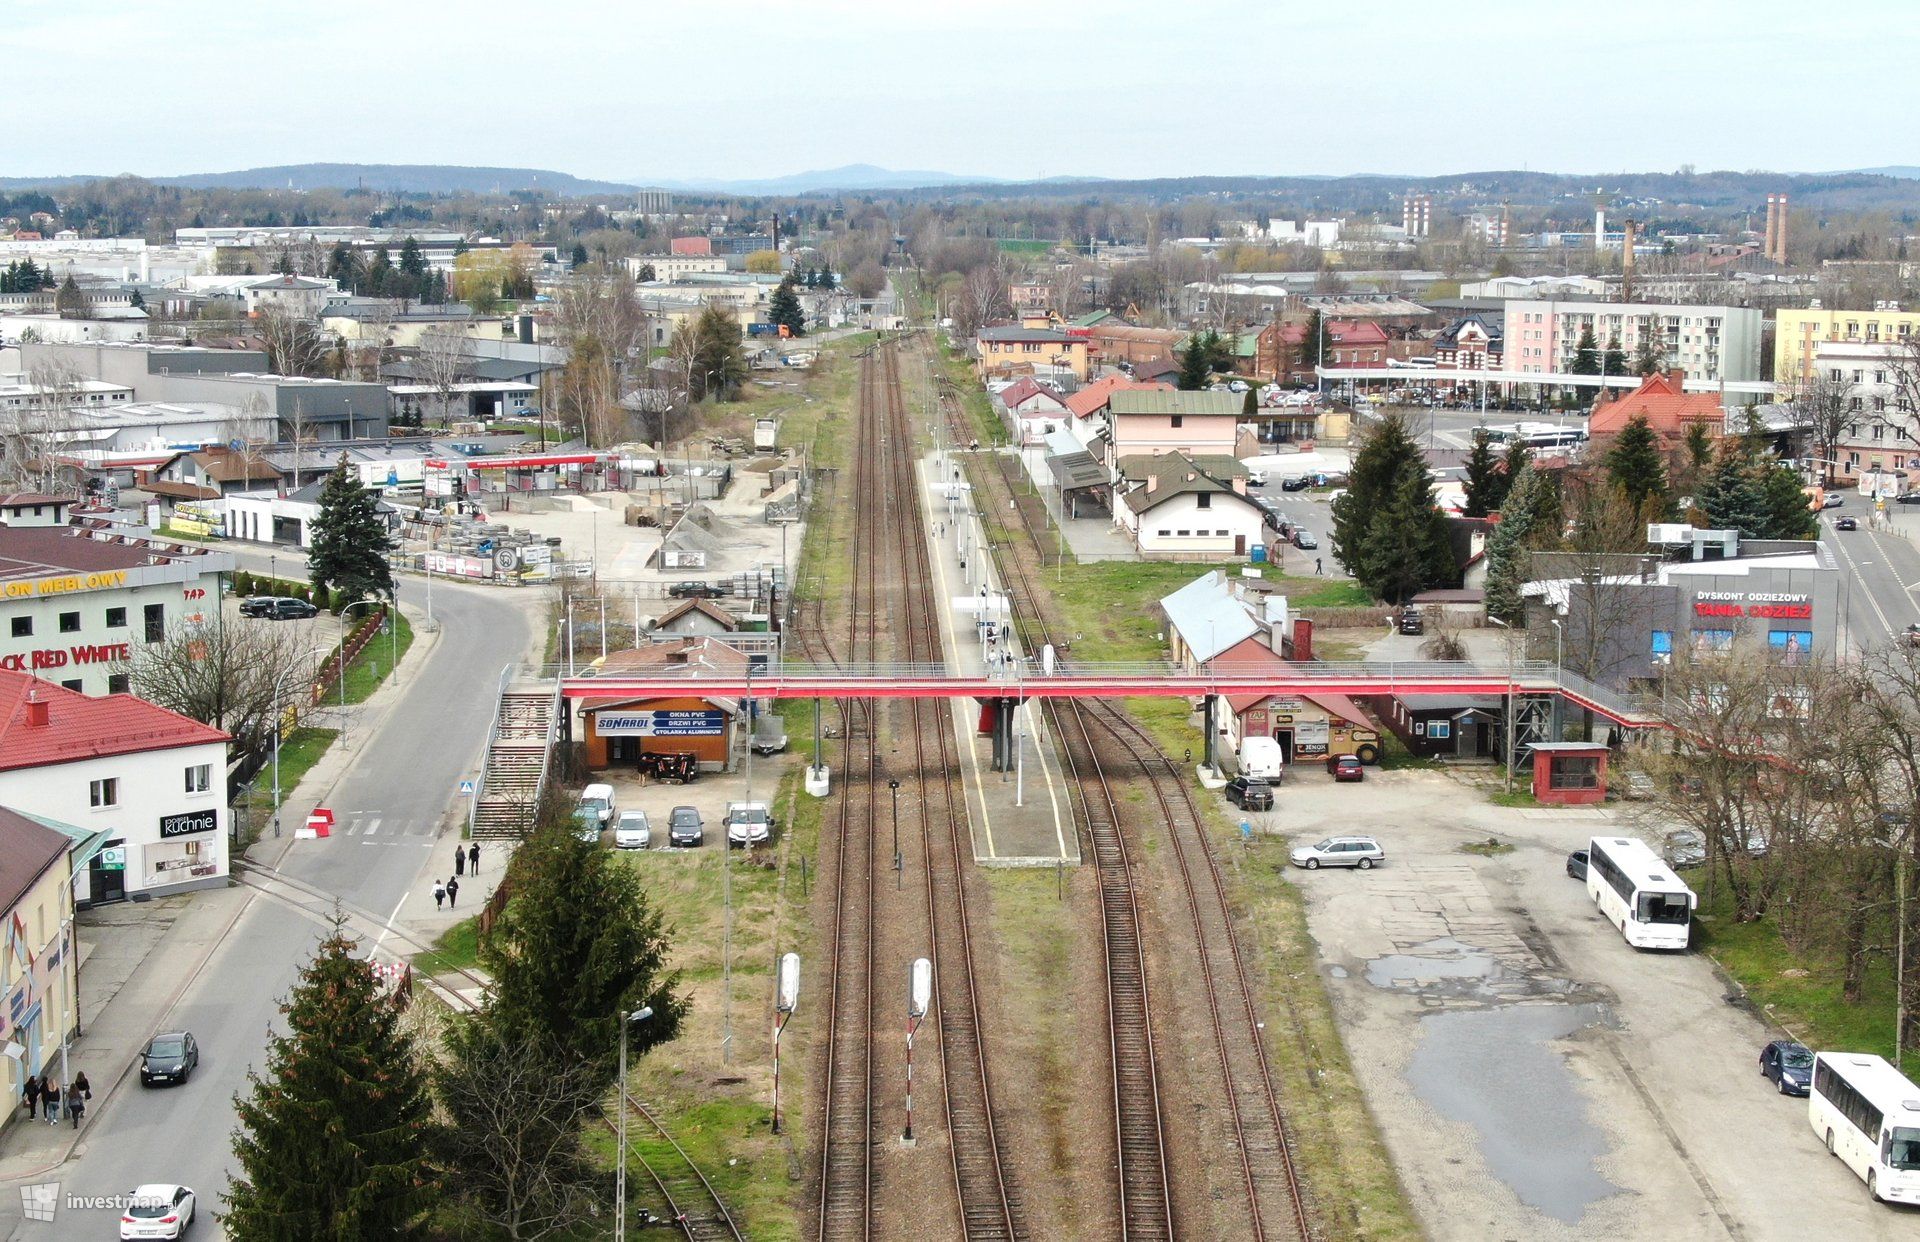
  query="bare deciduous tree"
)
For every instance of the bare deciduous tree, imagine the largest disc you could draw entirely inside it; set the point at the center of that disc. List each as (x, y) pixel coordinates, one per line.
(1821, 403)
(237, 676)
(294, 346)
(443, 363)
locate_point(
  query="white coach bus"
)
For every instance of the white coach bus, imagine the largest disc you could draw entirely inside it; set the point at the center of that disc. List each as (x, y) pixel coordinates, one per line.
(1868, 1114)
(1639, 893)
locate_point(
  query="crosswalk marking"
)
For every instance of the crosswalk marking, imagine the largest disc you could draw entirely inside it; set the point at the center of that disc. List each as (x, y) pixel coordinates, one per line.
(374, 826)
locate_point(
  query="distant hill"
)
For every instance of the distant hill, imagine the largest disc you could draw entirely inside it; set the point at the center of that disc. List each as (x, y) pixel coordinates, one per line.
(848, 177)
(396, 178)
(1906, 172)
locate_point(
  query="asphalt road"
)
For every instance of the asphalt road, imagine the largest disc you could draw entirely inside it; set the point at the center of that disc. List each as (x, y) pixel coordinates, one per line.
(391, 802)
(1881, 571)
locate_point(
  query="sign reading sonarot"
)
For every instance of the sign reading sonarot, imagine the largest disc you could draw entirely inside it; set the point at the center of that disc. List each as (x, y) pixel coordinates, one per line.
(661, 724)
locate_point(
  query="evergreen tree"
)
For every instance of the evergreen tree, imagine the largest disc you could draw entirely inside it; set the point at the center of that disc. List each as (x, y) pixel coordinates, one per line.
(719, 358)
(1647, 359)
(1311, 341)
(1220, 351)
(645, 273)
(1789, 514)
(1586, 354)
(344, 266)
(135, 300)
(332, 1140)
(1406, 549)
(1615, 361)
(783, 308)
(578, 945)
(1195, 366)
(811, 278)
(579, 255)
(1486, 482)
(1389, 452)
(1529, 519)
(1250, 406)
(379, 279)
(350, 541)
(1634, 463)
(826, 279)
(412, 264)
(1732, 497)
(1517, 458)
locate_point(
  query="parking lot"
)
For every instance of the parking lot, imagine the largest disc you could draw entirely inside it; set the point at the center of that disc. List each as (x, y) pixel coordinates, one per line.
(1533, 1076)
(708, 794)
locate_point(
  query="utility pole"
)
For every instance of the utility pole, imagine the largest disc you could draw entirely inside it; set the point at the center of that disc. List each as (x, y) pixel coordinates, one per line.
(620, 1177)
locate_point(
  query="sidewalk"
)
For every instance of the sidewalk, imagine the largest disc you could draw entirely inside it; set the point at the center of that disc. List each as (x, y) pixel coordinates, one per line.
(137, 959)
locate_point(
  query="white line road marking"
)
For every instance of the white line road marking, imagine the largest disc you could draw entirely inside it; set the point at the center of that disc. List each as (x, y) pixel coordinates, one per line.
(374, 826)
(389, 924)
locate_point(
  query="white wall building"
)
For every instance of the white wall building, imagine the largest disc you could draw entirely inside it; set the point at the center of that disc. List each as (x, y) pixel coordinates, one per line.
(73, 601)
(154, 780)
(1710, 343)
(670, 267)
(1882, 434)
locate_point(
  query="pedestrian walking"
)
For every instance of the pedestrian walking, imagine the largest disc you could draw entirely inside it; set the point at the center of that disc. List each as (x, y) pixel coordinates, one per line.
(459, 861)
(439, 894)
(1316, 566)
(50, 1101)
(473, 858)
(30, 1092)
(81, 1086)
(453, 893)
(76, 1104)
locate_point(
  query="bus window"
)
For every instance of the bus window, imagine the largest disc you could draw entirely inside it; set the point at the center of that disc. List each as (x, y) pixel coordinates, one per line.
(1663, 908)
(1903, 1149)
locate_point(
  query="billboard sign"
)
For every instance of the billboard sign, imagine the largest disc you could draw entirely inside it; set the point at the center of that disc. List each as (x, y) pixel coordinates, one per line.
(660, 724)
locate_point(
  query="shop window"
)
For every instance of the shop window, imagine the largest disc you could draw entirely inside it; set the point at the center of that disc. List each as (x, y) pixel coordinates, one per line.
(104, 792)
(1574, 772)
(1439, 728)
(199, 778)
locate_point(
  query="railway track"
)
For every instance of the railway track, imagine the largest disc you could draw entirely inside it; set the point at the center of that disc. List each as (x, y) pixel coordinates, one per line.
(694, 1206)
(1276, 1202)
(989, 1208)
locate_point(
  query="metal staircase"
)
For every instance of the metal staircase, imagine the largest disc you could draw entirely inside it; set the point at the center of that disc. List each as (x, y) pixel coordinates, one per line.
(508, 795)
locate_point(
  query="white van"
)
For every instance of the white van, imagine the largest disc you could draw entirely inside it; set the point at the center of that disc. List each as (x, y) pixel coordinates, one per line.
(1260, 757)
(597, 801)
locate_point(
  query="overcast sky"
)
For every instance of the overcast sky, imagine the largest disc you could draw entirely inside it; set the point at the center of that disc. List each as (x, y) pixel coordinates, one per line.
(642, 90)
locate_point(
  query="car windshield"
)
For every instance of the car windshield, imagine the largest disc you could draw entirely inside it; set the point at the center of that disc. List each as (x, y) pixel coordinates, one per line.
(592, 803)
(167, 1047)
(1796, 1058)
(1663, 908)
(1903, 1149)
(1324, 846)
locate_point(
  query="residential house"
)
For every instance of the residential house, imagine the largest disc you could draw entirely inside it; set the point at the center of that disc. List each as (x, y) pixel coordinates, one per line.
(1706, 343)
(1176, 506)
(1881, 437)
(297, 297)
(1030, 409)
(40, 961)
(1115, 343)
(1470, 343)
(1355, 343)
(694, 618)
(1799, 334)
(1277, 354)
(1026, 296)
(1669, 409)
(1087, 407)
(1145, 422)
(1007, 351)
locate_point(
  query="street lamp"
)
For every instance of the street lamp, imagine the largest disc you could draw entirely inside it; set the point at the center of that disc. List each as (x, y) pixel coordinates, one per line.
(344, 613)
(620, 1178)
(1511, 722)
(893, 786)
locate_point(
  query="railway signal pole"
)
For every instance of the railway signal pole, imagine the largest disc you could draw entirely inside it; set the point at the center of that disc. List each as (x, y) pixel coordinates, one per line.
(919, 996)
(786, 996)
(620, 1178)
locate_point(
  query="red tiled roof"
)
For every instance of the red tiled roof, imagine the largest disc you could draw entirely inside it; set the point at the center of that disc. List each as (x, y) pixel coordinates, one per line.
(1667, 406)
(82, 726)
(1355, 332)
(1025, 389)
(14, 500)
(1096, 395)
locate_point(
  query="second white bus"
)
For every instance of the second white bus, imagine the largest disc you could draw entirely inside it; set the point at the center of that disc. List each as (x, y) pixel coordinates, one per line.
(1639, 893)
(1868, 1115)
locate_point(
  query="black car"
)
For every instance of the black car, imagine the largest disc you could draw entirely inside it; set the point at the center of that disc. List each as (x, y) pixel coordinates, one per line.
(1788, 1064)
(684, 827)
(1577, 864)
(696, 590)
(168, 1058)
(278, 608)
(1846, 523)
(1304, 540)
(1295, 483)
(1411, 622)
(1250, 794)
(1910, 498)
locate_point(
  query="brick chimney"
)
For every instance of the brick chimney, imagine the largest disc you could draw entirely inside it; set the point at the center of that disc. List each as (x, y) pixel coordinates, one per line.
(37, 717)
(1679, 377)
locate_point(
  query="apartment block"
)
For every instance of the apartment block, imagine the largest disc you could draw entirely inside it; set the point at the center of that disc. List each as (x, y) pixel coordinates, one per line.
(1709, 343)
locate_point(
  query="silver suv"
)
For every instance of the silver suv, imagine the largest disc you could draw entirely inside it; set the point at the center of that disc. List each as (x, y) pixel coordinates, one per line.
(1361, 852)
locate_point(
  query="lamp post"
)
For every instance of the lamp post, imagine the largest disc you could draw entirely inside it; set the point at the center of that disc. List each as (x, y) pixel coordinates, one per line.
(620, 1177)
(1511, 722)
(344, 614)
(919, 996)
(893, 787)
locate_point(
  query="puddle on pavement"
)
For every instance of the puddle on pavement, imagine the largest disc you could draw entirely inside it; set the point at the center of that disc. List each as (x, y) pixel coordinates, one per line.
(1497, 1070)
(1338, 972)
(1449, 967)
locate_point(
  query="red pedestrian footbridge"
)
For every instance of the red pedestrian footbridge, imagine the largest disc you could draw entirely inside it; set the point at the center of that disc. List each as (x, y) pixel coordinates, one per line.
(1028, 679)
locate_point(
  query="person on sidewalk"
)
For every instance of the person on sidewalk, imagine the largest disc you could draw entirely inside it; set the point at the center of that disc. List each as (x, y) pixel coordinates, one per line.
(50, 1101)
(459, 861)
(30, 1092)
(473, 858)
(81, 1087)
(76, 1105)
(439, 894)
(453, 893)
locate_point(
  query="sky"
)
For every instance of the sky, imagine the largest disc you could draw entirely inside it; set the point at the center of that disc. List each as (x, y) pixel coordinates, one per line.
(729, 89)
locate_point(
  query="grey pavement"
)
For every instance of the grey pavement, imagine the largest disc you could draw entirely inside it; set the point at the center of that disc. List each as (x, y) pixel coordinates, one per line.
(1881, 568)
(393, 786)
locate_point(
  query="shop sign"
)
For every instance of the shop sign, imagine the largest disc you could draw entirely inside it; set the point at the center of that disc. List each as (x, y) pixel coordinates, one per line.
(1753, 604)
(1310, 737)
(460, 566)
(113, 858)
(64, 584)
(660, 724)
(55, 657)
(188, 823)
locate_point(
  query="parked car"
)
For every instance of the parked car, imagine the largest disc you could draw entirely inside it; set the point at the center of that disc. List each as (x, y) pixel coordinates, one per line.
(1346, 768)
(1256, 478)
(1685, 848)
(1832, 500)
(1789, 1065)
(632, 832)
(1295, 483)
(1250, 793)
(1846, 523)
(1304, 540)
(171, 1057)
(1411, 621)
(586, 824)
(599, 800)
(1577, 864)
(1637, 786)
(1907, 498)
(157, 1210)
(691, 589)
(748, 823)
(685, 827)
(278, 608)
(769, 736)
(1361, 852)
